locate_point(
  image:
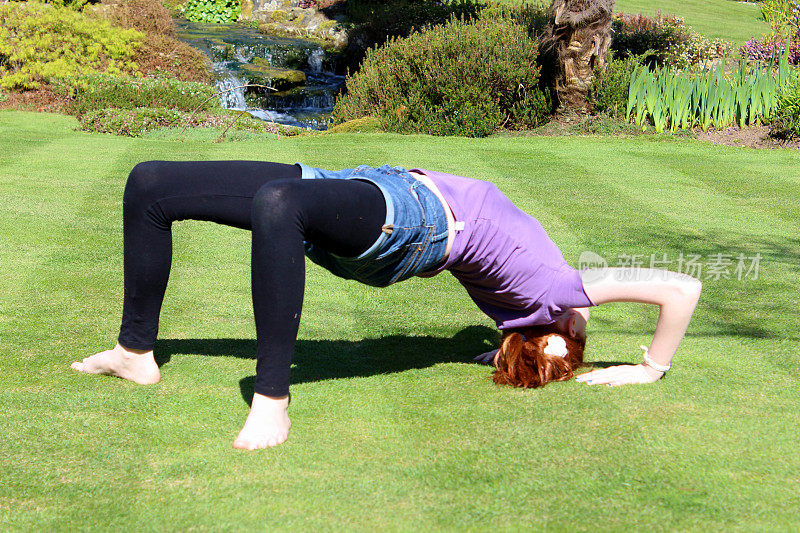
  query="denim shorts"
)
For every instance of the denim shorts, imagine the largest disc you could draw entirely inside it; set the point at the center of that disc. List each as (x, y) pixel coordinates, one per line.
(413, 239)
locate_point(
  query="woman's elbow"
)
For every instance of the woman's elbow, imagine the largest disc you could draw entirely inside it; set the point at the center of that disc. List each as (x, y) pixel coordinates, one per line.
(689, 288)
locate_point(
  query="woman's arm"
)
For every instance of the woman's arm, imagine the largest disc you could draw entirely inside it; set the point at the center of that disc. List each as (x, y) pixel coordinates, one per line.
(676, 295)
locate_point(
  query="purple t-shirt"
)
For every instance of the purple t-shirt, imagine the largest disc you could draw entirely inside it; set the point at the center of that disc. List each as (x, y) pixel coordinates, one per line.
(504, 258)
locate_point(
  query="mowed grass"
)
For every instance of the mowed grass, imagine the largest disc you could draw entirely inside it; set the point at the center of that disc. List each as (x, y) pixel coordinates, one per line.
(393, 426)
(718, 19)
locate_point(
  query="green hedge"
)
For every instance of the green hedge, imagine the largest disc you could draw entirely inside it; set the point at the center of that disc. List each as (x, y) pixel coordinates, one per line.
(137, 122)
(130, 122)
(39, 41)
(462, 78)
(98, 91)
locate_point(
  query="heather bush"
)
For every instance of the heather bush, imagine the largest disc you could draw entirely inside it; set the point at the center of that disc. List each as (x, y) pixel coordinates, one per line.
(770, 49)
(664, 40)
(93, 92)
(535, 17)
(609, 90)
(39, 41)
(462, 78)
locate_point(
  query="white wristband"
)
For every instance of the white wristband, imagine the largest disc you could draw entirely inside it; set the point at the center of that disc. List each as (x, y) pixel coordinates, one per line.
(652, 364)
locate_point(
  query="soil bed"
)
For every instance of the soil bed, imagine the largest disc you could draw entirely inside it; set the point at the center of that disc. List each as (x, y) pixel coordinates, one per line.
(751, 137)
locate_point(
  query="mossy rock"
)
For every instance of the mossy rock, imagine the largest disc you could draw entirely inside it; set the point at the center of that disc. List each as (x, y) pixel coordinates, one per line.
(327, 25)
(358, 125)
(279, 30)
(279, 15)
(261, 72)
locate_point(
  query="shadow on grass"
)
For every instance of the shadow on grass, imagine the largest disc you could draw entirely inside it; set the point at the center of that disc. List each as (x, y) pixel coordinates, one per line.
(320, 360)
(757, 305)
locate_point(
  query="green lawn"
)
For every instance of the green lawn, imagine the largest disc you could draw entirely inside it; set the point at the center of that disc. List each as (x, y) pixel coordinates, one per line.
(393, 427)
(724, 19)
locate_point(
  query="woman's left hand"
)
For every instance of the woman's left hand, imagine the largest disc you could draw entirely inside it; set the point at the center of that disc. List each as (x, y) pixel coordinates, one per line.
(486, 358)
(621, 375)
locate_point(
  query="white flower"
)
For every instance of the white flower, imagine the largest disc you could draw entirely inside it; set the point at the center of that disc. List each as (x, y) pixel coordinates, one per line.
(556, 346)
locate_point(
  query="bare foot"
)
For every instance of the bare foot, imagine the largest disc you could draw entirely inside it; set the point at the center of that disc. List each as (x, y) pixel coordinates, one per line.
(134, 365)
(267, 424)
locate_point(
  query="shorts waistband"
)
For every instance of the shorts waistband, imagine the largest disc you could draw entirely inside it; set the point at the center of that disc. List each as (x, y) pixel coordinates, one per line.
(401, 190)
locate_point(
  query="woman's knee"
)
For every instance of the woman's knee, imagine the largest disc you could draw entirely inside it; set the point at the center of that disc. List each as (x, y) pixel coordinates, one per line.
(143, 182)
(276, 203)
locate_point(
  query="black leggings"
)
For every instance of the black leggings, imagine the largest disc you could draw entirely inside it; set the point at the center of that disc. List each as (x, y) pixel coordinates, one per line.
(281, 210)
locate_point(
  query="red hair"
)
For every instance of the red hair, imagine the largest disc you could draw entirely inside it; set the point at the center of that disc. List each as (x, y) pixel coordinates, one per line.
(521, 361)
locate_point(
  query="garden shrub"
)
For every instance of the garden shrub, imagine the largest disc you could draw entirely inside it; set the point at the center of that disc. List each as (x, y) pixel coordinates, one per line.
(783, 17)
(219, 11)
(665, 39)
(609, 90)
(93, 92)
(786, 124)
(461, 78)
(535, 17)
(39, 41)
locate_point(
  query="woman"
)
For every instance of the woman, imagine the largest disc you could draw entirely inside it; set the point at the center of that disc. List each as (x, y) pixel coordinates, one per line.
(378, 226)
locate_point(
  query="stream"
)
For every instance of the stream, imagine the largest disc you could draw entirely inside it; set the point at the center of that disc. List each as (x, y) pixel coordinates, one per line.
(307, 78)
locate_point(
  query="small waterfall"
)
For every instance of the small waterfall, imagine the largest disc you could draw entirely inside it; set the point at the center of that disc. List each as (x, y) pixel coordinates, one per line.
(240, 55)
(243, 54)
(315, 60)
(232, 92)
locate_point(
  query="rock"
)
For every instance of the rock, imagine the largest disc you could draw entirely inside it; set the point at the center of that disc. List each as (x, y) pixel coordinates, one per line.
(282, 79)
(284, 18)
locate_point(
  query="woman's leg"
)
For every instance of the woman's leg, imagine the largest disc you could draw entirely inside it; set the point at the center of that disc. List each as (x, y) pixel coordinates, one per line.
(160, 192)
(156, 194)
(341, 216)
